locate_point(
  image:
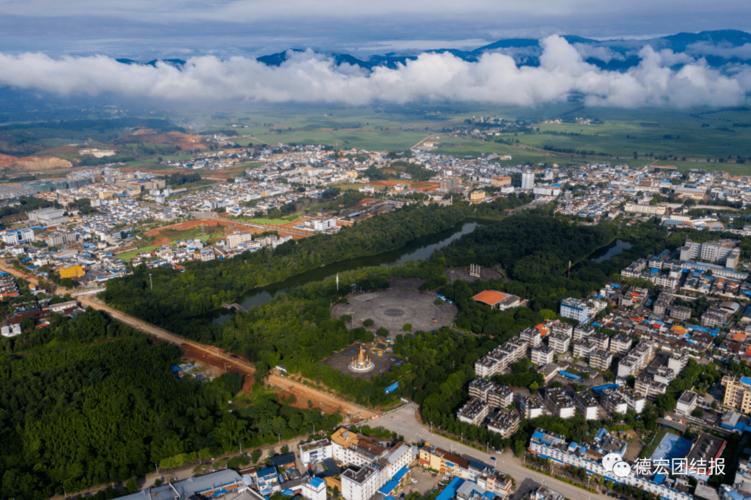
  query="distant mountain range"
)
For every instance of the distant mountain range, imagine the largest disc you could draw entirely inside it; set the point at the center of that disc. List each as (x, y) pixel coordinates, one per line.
(718, 48)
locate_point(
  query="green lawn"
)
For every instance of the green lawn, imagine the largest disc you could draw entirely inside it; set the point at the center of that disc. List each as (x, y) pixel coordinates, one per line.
(275, 221)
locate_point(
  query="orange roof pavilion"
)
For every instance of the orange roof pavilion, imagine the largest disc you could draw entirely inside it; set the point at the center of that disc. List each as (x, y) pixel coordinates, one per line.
(490, 297)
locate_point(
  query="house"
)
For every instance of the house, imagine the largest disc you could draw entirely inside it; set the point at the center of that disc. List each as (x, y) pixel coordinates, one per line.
(9, 331)
(267, 481)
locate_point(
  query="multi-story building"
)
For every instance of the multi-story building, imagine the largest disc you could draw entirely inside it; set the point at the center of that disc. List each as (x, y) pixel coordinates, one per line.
(717, 252)
(532, 336)
(614, 401)
(528, 180)
(737, 394)
(473, 412)
(500, 397)
(480, 388)
(580, 310)
(315, 489)
(444, 462)
(681, 313)
(559, 402)
(600, 341)
(687, 403)
(588, 405)
(634, 401)
(600, 359)
(583, 349)
(620, 343)
(351, 448)
(559, 342)
(552, 447)
(635, 361)
(500, 358)
(504, 422)
(313, 452)
(649, 386)
(561, 327)
(542, 355)
(364, 483)
(531, 406)
(583, 332)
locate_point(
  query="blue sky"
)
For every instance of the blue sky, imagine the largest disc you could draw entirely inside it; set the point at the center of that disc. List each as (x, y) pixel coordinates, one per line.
(145, 28)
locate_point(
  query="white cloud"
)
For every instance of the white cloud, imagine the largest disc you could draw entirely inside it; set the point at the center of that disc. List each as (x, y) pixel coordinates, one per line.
(600, 52)
(307, 77)
(726, 51)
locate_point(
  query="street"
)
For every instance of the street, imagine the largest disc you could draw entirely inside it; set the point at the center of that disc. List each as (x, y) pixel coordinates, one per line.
(403, 420)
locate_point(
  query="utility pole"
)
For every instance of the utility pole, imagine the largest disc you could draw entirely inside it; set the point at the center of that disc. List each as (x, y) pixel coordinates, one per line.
(151, 282)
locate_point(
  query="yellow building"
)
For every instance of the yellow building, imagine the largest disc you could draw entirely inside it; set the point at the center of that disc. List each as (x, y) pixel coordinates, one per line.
(72, 272)
(477, 196)
(737, 394)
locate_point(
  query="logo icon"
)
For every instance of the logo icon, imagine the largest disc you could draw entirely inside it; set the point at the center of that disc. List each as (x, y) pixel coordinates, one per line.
(613, 462)
(622, 469)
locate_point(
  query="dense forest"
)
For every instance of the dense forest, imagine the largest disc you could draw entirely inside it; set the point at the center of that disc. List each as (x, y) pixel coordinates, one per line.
(88, 400)
(176, 297)
(546, 258)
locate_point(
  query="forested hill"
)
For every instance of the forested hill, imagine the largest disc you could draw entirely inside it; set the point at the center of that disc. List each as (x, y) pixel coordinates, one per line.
(204, 287)
(89, 400)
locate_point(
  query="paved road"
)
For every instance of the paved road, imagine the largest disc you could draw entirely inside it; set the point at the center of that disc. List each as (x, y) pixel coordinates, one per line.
(403, 420)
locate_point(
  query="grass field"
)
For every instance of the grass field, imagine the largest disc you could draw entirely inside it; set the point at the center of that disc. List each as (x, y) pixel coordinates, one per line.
(711, 140)
(276, 221)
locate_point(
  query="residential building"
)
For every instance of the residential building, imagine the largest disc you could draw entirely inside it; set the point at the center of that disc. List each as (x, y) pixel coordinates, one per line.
(531, 406)
(559, 402)
(313, 452)
(351, 448)
(725, 252)
(364, 483)
(588, 405)
(473, 412)
(559, 342)
(528, 180)
(542, 355)
(580, 310)
(620, 343)
(686, 403)
(600, 359)
(504, 422)
(315, 489)
(737, 394)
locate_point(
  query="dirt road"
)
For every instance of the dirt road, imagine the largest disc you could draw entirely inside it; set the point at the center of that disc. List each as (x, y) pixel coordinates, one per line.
(303, 393)
(285, 386)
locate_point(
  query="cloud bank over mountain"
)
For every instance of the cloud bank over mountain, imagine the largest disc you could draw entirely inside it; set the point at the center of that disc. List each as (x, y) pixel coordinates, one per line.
(307, 77)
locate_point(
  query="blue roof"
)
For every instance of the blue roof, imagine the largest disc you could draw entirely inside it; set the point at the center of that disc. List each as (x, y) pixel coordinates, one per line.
(449, 492)
(570, 375)
(266, 471)
(316, 481)
(392, 483)
(746, 380)
(600, 388)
